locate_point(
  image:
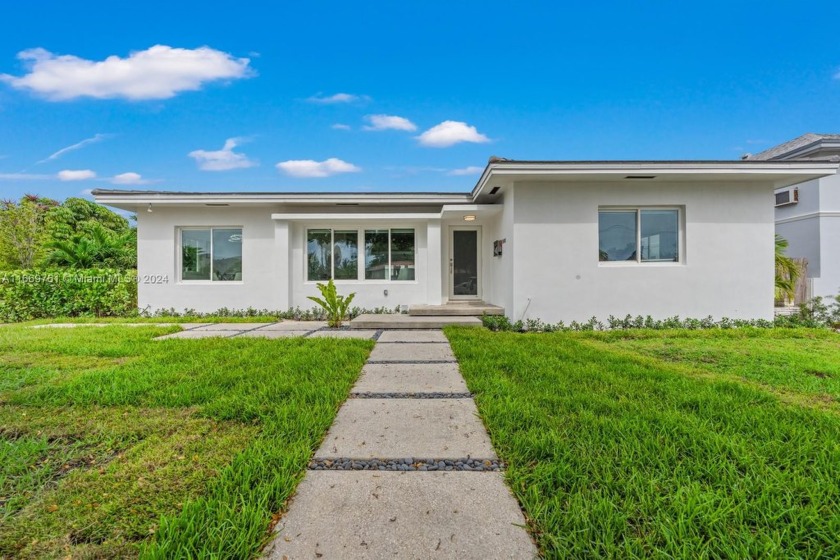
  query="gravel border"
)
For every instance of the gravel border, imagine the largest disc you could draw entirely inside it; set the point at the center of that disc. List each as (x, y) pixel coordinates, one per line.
(433, 395)
(414, 342)
(406, 464)
(411, 361)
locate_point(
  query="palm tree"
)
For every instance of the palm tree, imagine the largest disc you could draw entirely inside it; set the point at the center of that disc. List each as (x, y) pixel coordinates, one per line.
(98, 248)
(788, 271)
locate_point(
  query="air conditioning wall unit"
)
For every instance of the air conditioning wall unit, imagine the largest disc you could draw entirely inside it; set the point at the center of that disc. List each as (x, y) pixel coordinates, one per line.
(788, 196)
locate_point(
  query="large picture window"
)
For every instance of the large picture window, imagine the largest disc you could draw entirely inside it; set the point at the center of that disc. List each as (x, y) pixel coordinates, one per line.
(639, 235)
(387, 254)
(211, 254)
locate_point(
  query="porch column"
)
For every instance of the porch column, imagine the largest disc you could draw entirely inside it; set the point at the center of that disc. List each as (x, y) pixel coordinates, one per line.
(434, 289)
(282, 257)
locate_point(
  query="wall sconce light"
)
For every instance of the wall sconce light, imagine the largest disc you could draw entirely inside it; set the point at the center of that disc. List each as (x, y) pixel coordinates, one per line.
(149, 209)
(469, 218)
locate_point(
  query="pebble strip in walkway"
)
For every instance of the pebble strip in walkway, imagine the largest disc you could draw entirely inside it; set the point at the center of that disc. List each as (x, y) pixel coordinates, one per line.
(407, 469)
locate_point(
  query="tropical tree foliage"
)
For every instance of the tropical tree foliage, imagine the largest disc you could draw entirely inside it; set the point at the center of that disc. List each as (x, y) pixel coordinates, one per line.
(22, 234)
(97, 248)
(788, 271)
(78, 233)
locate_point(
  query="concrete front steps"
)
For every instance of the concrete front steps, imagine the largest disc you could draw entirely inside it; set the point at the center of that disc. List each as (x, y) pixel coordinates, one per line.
(430, 316)
(456, 309)
(399, 321)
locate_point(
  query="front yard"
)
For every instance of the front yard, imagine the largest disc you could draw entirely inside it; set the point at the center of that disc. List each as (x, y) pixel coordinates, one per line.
(669, 444)
(114, 445)
(685, 444)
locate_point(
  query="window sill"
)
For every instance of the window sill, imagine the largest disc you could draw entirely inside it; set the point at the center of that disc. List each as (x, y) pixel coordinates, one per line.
(637, 264)
(364, 282)
(210, 283)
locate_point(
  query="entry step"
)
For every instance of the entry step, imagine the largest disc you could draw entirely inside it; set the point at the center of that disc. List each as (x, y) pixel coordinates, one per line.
(456, 309)
(399, 321)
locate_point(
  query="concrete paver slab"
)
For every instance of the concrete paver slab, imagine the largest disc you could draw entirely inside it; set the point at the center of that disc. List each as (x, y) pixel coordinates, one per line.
(373, 515)
(332, 333)
(411, 378)
(411, 352)
(295, 326)
(398, 428)
(413, 336)
(262, 333)
(74, 325)
(231, 326)
(199, 334)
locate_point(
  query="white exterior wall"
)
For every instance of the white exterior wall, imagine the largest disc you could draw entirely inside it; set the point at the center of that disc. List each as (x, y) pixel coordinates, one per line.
(828, 284)
(812, 229)
(273, 263)
(498, 271)
(727, 253)
(370, 293)
(157, 253)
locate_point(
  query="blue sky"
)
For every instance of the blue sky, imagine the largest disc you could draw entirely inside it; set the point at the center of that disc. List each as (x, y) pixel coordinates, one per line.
(310, 96)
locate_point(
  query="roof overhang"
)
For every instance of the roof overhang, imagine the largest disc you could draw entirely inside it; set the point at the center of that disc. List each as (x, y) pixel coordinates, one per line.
(447, 211)
(776, 173)
(499, 173)
(133, 200)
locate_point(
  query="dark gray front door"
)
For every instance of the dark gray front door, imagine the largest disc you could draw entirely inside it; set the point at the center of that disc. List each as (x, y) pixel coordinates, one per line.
(464, 264)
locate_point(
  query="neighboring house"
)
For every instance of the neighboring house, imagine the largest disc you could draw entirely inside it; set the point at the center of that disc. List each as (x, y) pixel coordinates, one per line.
(808, 213)
(552, 240)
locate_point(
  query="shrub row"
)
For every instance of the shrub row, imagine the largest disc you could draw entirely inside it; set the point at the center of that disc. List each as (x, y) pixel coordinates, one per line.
(33, 294)
(295, 313)
(817, 313)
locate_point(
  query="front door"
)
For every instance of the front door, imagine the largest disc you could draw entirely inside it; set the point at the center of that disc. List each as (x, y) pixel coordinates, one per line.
(464, 266)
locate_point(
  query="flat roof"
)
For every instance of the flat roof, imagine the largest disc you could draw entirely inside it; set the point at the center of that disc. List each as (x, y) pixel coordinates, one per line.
(779, 172)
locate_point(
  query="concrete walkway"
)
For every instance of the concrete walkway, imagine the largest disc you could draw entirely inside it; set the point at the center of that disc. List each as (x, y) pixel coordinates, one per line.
(281, 329)
(407, 469)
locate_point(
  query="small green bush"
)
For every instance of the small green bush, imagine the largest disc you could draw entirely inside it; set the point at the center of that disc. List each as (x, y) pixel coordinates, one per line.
(334, 305)
(34, 294)
(817, 313)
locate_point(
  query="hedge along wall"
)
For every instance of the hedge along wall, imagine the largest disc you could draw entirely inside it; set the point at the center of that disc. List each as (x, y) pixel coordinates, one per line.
(34, 294)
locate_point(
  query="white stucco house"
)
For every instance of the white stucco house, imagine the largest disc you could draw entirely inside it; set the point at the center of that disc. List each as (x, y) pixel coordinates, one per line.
(554, 240)
(808, 213)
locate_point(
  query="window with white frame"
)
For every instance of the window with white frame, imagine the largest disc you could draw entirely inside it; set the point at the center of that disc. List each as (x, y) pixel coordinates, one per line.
(211, 254)
(388, 254)
(641, 235)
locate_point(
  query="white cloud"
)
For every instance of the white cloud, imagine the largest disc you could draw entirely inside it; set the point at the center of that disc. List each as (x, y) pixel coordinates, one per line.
(128, 178)
(75, 175)
(389, 122)
(77, 146)
(340, 126)
(337, 98)
(86, 192)
(470, 170)
(449, 133)
(159, 72)
(311, 168)
(224, 159)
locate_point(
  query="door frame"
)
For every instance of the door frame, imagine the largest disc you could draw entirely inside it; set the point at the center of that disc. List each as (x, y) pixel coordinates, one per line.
(451, 273)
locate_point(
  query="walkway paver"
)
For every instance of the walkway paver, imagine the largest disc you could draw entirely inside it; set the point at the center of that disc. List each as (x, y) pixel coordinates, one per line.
(392, 510)
(413, 515)
(413, 336)
(283, 329)
(396, 428)
(411, 352)
(332, 333)
(410, 378)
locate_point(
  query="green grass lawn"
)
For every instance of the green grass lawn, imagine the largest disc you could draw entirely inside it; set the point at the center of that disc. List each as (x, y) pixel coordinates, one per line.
(115, 445)
(666, 444)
